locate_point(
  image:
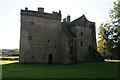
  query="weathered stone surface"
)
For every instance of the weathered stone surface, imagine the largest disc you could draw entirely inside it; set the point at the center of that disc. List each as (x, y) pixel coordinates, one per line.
(45, 39)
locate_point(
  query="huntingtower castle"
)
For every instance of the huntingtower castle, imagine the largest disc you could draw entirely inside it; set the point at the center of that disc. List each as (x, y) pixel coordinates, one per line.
(45, 39)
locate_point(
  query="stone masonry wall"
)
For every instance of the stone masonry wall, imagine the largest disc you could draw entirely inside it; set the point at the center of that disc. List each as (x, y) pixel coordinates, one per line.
(38, 39)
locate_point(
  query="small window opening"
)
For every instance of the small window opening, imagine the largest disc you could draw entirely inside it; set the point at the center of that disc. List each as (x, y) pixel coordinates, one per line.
(71, 49)
(43, 57)
(48, 40)
(81, 33)
(31, 23)
(30, 37)
(81, 43)
(33, 57)
(89, 48)
(71, 46)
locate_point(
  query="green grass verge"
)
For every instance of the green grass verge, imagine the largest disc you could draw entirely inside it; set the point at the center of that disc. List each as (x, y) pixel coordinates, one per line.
(81, 70)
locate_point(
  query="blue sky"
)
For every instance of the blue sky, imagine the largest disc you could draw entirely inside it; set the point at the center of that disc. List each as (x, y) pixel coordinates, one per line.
(95, 10)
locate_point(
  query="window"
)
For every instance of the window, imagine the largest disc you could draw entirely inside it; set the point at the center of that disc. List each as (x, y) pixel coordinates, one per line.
(48, 40)
(31, 23)
(33, 57)
(89, 48)
(81, 33)
(71, 50)
(71, 46)
(30, 38)
(81, 43)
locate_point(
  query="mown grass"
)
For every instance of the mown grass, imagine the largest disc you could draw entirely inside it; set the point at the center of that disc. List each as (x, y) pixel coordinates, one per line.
(81, 70)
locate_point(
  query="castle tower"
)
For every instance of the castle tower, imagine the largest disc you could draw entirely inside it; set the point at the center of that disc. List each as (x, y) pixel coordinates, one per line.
(68, 19)
(39, 36)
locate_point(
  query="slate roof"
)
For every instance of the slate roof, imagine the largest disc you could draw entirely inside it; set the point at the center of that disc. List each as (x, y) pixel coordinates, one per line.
(67, 27)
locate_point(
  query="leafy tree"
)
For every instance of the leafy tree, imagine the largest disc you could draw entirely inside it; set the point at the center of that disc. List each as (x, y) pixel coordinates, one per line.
(109, 33)
(114, 28)
(108, 37)
(100, 47)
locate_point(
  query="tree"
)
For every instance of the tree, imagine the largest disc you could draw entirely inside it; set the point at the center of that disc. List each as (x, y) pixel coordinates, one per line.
(109, 33)
(101, 48)
(115, 26)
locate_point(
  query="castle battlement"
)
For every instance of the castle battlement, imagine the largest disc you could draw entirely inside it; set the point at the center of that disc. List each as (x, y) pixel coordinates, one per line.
(41, 13)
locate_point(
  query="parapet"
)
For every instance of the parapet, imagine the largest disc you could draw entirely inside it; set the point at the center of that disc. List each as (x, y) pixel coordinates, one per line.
(41, 13)
(40, 9)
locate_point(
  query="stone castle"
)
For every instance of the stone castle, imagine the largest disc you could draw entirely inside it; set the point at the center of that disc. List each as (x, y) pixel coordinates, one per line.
(45, 39)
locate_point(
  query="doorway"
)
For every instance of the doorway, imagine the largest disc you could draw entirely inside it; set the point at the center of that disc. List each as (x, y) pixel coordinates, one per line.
(50, 58)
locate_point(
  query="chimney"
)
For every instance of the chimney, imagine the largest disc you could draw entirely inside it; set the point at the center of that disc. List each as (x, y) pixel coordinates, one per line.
(68, 19)
(26, 8)
(64, 20)
(59, 11)
(40, 9)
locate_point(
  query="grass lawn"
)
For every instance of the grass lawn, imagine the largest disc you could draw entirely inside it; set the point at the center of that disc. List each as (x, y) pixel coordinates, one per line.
(80, 70)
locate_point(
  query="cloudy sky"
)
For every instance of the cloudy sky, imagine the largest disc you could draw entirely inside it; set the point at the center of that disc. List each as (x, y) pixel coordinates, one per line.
(94, 10)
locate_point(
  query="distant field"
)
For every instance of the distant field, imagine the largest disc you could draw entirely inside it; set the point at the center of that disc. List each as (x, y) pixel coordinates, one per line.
(8, 60)
(9, 57)
(112, 60)
(3, 62)
(81, 70)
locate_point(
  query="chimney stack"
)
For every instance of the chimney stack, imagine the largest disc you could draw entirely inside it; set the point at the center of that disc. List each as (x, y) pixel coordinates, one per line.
(26, 8)
(59, 11)
(68, 19)
(40, 9)
(64, 20)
